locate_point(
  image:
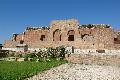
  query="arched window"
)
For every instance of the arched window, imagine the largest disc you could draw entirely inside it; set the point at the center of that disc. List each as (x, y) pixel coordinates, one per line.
(57, 35)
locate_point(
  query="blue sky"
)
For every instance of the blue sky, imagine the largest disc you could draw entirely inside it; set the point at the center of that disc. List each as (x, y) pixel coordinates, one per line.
(16, 15)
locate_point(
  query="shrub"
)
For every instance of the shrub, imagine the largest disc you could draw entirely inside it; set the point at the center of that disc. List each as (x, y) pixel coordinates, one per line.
(31, 55)
(18, 55)
(42, 55)
(61, 51)
(58, 52)
(11, 54)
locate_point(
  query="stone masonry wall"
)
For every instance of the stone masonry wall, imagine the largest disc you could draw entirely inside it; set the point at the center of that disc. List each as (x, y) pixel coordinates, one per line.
(94, 58)
(61, 31)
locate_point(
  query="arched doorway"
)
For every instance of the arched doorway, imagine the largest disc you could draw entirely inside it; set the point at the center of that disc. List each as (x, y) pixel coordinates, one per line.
(71, 35)
(57, 35)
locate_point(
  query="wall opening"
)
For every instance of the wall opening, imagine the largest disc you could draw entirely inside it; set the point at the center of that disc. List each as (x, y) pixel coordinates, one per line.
(57, 35)
(71, 38)
(60, 37)
(42, 37)
(116, 41)
(100, 51)
(14, 37)
(71, 35)
(83, 35)
(21, 41)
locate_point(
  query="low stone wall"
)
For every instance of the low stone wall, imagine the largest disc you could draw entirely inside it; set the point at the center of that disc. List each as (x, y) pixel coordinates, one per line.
(94, 58)
(29, 49)
(94, 52)
(33, 49)
(11, 49)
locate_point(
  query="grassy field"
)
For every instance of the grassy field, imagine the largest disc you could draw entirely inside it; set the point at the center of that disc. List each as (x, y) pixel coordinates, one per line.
(22, 70)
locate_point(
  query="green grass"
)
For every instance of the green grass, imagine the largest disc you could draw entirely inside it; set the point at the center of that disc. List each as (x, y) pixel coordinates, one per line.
(22, 70)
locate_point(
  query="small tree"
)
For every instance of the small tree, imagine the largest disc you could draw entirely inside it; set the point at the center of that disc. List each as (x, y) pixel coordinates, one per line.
(61, 51)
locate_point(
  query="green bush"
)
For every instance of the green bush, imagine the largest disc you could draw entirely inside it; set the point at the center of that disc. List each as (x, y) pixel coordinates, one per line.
(11, 54)
(30, 55)
(58, 52)
(43, 55)
(61, 51)
(18, 55)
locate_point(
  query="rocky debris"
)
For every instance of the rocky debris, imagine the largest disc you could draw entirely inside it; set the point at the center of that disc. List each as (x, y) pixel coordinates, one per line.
(21, 59)
(80, 72)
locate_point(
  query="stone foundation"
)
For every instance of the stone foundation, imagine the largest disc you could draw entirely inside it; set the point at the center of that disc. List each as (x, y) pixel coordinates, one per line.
(98, 58)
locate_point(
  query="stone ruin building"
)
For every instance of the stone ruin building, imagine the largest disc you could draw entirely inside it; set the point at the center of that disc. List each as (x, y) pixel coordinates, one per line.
(68, 33)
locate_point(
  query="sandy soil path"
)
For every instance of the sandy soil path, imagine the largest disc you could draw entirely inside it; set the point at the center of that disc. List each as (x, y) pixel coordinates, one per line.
(71, 71)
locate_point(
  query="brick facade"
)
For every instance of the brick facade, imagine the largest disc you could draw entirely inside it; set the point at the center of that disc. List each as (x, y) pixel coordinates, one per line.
(67, 33)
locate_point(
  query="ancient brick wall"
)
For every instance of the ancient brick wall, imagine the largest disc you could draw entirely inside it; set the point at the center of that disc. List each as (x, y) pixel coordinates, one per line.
(93, 59)
(10, 44)
(67, 33)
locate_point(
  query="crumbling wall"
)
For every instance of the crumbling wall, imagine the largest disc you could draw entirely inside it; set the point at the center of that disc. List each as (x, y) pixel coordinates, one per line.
(67, 33)
(10, 44)
(117, 40)
(62, 24)
(33, 36)
(96, 38)
(97, 58)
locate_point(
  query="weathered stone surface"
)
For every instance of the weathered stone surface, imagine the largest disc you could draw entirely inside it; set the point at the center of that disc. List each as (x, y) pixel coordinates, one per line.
(94, 58)
(80, 72)
(67, 33)
(21, 59)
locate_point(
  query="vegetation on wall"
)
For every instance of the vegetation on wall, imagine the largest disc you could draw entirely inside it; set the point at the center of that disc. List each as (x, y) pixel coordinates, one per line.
(95, 26)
